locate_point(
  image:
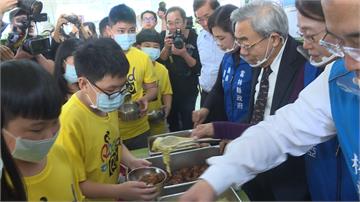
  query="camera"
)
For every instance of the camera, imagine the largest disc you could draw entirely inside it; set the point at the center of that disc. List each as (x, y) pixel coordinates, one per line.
(178, 39)
(162, 7)
(20, 36)
(73, 19)
(189, 22)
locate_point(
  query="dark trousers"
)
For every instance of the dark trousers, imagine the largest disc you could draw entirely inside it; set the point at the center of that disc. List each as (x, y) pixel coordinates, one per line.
(216, 113)
(286, 182)
(180, 117)
(137, 142)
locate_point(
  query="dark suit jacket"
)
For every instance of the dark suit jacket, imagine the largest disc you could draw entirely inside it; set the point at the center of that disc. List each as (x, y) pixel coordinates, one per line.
(287, 181)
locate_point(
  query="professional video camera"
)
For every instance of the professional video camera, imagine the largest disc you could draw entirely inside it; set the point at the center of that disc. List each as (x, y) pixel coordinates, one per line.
(178, 39)
(20, 35)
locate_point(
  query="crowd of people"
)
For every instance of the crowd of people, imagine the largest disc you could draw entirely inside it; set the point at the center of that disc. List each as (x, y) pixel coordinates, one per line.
(288, 109)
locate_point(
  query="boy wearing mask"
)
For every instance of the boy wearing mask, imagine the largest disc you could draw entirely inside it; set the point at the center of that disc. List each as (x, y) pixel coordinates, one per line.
(90, 127)
(148, 40)
(140, 79)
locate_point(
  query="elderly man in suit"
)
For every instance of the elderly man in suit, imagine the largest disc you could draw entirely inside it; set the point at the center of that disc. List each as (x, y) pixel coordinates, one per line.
(261, 30)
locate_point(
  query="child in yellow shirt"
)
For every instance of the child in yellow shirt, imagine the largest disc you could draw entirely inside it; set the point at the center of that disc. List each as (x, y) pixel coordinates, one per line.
(90, 127)
(30, 105)
(148, 40)
(141, 80)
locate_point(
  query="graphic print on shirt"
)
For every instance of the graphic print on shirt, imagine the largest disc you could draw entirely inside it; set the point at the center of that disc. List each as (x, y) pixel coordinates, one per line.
(109, 154)
(229, 76)
(130, 83)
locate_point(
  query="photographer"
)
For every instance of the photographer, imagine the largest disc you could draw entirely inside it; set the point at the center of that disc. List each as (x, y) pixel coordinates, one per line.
(180, 55)
(21, 28)
(67, 26)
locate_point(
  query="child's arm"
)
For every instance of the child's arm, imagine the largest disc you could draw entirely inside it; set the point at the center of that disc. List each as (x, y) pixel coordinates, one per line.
(166, 100)
(132, 190)
(130, 161)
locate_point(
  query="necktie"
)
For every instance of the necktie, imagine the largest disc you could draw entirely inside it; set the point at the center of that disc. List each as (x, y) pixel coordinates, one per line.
(261, 100)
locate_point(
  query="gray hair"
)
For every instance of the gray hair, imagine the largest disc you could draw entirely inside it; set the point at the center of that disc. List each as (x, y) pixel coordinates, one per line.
(265, 18)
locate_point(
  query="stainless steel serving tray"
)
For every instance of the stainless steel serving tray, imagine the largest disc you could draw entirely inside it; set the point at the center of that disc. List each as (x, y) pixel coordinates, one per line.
(183, 133)
(184, 159)
(229, 195)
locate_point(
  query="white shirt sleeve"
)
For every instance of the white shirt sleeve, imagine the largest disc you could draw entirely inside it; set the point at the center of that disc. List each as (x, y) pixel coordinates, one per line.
(293, 130)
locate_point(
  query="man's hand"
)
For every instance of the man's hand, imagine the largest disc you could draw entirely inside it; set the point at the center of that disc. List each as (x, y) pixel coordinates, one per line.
(168, 42)
(5, 53)
(21, 54)
(201, 191)
(180, 52)
(6, 5)
(203, 130)
(199, 116)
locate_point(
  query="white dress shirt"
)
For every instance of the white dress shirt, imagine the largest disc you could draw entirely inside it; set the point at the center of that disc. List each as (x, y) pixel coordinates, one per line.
(210, 57)
(272, 80)
(293, 130)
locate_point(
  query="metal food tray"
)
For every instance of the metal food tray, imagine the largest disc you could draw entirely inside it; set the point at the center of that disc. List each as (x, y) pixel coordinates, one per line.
(183, 133)
(228, 195)
(184, 159)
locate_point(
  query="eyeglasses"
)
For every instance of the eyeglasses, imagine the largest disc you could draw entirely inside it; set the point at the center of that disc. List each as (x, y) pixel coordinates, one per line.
(339, 49)
(151, 19)
(122, 91)
(202, 19)
(176, 23)
(247, 47)
(310, 38)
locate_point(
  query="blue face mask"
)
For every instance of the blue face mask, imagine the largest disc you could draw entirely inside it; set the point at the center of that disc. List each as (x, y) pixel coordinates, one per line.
(70, 74)
(154, 53)
(105, 103)
(125, 40)
(31, 150)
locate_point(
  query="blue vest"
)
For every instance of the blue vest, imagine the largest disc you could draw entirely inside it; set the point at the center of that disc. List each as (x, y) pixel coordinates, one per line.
(327, 175)
(236, 82)
(345, 112)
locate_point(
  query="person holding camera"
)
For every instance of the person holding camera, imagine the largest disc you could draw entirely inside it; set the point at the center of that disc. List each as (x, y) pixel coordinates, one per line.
(19, 39)
(180, 55)
(67, 26)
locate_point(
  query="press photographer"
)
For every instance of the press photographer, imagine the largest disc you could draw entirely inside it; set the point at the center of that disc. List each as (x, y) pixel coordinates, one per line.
(180, 55)
(22, 39)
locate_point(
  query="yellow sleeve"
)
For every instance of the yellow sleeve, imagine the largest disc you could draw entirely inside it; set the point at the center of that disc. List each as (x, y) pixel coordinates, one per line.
(149, 76)
(165, 84)
(70, 138)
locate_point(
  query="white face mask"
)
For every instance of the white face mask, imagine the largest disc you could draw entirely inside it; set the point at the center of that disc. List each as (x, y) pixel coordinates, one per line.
(67, 28)
(31, 150)
(324, 61)
(266, 56)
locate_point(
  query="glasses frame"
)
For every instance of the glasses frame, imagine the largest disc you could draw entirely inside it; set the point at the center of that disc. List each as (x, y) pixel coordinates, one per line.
(122, 91)
(310, 38)
(247, 47)
(339, 49)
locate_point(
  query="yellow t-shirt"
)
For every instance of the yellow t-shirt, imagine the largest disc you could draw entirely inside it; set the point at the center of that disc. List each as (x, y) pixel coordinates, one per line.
(164, 88)
(140, 72)
(57, 182)
(92, 141)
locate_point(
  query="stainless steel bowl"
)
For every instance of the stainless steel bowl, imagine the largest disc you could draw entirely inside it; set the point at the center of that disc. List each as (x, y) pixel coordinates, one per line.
(138, 173)
(156, 115)
(129, 111)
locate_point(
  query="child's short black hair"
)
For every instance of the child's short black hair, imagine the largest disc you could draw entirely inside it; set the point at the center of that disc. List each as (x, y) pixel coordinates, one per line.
(100, 57)
(28, 91)
(102, 25)
(122, 13)
(148, 35)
